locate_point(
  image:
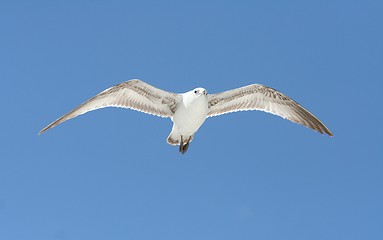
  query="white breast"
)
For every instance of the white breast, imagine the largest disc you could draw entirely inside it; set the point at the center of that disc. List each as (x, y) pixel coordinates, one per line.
(190, 114)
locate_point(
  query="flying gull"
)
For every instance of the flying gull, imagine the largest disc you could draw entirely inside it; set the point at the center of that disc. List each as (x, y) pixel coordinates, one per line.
(189, 110)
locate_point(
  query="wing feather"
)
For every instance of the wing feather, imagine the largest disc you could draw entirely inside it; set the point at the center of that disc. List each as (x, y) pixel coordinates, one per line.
(134, 94)
(259, 97)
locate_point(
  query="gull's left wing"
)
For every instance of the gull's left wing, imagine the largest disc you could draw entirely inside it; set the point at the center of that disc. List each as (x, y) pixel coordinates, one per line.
(259, 97)
(134, 94)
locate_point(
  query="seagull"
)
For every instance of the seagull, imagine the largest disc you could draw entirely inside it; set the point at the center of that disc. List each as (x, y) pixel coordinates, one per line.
(189, 110)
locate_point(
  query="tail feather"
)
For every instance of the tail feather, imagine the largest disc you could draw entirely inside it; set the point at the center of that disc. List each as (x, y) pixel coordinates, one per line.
(172, 141)
(174, 137)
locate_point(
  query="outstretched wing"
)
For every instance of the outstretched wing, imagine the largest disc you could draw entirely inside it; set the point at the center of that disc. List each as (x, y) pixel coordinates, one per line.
(259, 97)
(134, 94)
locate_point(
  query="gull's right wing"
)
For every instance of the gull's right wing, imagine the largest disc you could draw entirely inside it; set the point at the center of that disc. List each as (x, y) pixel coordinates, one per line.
(134, 94)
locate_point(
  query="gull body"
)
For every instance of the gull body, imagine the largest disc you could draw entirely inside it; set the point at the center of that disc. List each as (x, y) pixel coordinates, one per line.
(191, 113)
(189, 110)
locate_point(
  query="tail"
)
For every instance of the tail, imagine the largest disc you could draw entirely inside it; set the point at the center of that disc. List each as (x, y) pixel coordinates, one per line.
(174, 137)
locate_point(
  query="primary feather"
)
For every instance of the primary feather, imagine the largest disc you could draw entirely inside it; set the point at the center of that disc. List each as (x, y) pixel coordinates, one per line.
(259, 97)
(133, 94)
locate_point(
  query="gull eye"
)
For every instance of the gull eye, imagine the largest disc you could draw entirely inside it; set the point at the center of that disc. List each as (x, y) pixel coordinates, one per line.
(195, 91)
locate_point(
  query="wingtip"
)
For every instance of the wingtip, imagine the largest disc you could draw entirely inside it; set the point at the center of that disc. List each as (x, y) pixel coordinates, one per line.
(330, 134)
(42, 131)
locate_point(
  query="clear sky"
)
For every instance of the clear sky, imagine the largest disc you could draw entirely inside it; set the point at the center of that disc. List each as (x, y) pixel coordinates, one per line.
(110, 174)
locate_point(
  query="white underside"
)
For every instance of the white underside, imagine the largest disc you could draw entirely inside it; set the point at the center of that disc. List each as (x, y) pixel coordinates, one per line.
(189, 116)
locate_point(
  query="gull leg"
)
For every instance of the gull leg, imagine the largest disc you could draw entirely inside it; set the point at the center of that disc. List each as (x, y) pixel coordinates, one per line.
(187, 145)
(182, 145)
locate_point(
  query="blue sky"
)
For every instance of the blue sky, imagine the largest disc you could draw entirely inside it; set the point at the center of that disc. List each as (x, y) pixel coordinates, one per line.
(111, 175)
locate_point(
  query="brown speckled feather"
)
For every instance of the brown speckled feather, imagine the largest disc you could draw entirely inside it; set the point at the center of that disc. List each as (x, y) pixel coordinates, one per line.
(134, 94)
(259, 97)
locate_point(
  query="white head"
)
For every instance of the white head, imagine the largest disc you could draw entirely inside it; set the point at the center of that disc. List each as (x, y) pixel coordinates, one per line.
(199, 91)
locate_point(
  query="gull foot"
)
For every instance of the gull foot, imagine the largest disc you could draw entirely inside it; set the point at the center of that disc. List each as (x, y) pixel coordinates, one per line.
(184, 147)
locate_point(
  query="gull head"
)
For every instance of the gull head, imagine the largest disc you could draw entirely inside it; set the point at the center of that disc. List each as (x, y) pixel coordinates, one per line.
(199, 91)
(195, 95)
